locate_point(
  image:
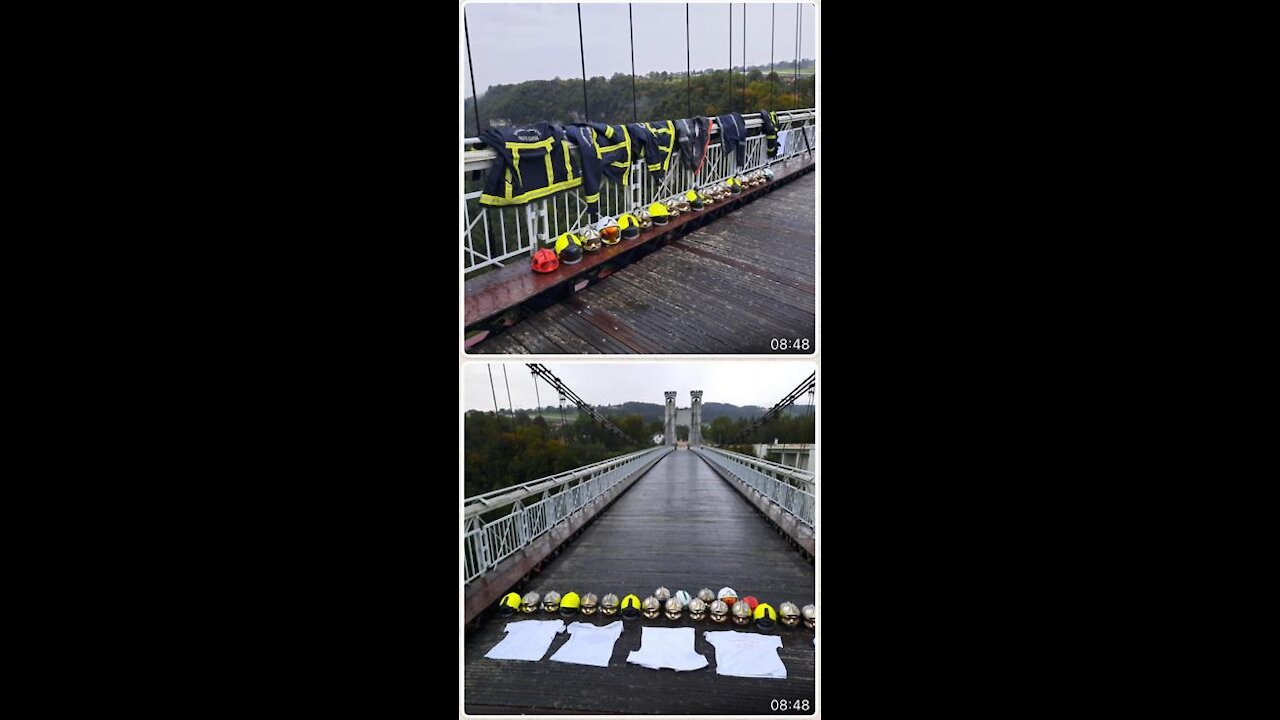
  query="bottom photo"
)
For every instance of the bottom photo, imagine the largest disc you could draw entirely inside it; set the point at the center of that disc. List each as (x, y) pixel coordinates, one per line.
(639, 538)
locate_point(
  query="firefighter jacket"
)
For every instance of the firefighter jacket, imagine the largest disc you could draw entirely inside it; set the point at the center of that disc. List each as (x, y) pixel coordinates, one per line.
(658, 141)
(733, 137)
(533, 161)
(769, 124)
(604, 151)
(693, 136)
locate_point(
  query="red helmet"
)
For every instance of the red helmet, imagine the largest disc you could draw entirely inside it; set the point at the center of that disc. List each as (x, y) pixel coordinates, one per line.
(545, 261)
(751, 601)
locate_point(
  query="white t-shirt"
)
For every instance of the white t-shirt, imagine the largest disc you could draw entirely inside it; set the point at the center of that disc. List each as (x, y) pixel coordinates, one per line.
(526, 640)
(589, 645)
(747, 654)
(667, 648)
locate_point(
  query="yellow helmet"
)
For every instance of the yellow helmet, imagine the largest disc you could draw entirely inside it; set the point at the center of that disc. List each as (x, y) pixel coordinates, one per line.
(630, 226)
(658, 213)
(765, 616)
(630, 607)
(569, 248)
(509, 604)
(570, 603)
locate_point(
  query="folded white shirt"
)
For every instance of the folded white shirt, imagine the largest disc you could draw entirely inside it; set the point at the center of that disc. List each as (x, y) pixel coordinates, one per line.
(747, 654)
(589, 644)
(667, 648)
(526, 640)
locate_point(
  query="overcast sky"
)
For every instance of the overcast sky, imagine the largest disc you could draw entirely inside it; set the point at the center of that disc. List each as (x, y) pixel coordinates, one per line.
(514, 42)
(727, 381)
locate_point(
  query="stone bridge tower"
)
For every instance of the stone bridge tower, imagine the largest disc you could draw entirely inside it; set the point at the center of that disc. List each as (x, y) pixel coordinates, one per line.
(695, 423)
(669, 428)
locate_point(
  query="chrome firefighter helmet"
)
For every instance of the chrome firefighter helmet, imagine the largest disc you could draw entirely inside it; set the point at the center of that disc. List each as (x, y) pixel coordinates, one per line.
(674, 608)
(589, 603)
(697, 609)
(768, 174)
(728, 595)
(646, 220)
(680, 204)
(530, 602)
(706, 596)
(741, 613)
(610, 231)
(719, 611)
(650, 607)
(590, 240)
(789, 614)
(810, 614)
(551, 602)
(672, 207)
(609, 605)
(662, 594)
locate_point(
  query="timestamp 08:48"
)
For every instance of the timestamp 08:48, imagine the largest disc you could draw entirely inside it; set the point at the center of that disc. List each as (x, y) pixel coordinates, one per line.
(790, 344)
(782, 705)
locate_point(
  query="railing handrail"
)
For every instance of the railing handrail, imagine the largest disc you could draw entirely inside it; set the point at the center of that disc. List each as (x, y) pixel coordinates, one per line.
(482, 158)
(798, 501)
(797, 473)
(502, 497)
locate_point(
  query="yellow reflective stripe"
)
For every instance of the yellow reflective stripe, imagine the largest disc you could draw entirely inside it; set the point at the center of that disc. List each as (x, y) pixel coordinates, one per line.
(532, 146)
(551, 174)
(568, 164)
(627, 135)
(531, 195)
(515, 161)
(593, 198)
(611, 148)
(608, 131)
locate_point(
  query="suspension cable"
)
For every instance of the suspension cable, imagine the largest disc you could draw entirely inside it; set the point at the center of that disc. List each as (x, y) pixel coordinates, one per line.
(475, 99)
(799, 40)
(773, 30)
(729, 104)
(491, 390)
(537, 396)
(744, 57)
(510, 407)
(688, 94)
(632, 26)
(795, 72)
(582, 53)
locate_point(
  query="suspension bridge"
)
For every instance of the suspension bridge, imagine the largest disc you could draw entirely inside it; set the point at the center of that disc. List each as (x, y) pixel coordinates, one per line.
(736, 277)
(662, 516)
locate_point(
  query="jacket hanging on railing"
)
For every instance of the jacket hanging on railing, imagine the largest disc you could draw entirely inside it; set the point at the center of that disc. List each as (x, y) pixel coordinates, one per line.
(769, 123)
(603, 151)
(694, 135)
(733, 137)
(658, 141)
(533, 161)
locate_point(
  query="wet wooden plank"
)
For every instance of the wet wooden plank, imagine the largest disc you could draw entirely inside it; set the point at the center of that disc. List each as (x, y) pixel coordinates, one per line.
(728, 287)
(683, 527)
(498, 290)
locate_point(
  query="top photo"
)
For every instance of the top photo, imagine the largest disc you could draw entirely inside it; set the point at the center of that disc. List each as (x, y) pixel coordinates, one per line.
(639, 178)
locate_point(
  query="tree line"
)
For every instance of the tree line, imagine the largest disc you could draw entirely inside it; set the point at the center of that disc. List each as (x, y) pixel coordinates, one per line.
(658, 96)
(504, 450)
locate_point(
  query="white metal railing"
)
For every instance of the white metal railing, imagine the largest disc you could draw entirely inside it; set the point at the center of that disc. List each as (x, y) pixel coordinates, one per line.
(791, 489)
(492, 235)
(536, 507)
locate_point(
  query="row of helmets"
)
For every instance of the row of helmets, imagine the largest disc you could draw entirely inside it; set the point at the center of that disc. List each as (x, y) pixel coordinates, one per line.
(720, 606)
(570, 247)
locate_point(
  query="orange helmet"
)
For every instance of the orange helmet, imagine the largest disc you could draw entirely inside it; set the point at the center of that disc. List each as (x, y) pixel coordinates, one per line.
(545, 261)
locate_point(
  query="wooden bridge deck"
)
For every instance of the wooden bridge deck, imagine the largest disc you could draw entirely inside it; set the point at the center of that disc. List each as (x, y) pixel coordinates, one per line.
(729, 287)
(683, 527)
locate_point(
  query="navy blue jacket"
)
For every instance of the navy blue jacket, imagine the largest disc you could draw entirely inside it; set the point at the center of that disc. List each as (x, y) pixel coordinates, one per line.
(604, 151)
(533, 161)
(733, 136)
